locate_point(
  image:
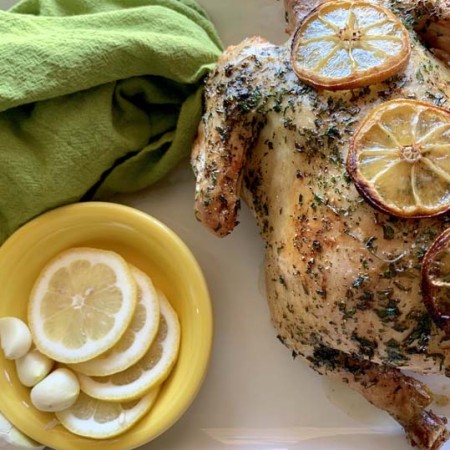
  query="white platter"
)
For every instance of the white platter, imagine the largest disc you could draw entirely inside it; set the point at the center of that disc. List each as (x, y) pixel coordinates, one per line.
(255, 396)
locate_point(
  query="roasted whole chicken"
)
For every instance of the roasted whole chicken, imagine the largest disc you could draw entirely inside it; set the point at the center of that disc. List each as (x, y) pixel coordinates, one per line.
(343, 278)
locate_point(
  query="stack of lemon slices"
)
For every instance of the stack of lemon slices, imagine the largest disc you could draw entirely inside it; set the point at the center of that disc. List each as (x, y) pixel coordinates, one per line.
(102, 319)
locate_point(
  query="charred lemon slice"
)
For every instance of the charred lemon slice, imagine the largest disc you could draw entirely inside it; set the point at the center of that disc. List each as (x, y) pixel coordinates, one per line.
(436, 281)
(349, 44)
(399, 159)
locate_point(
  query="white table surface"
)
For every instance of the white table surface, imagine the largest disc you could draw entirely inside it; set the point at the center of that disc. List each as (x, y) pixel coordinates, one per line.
(255, 396)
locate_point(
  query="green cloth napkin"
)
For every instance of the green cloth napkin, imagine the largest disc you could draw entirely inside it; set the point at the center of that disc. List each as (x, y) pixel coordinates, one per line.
(96, 97)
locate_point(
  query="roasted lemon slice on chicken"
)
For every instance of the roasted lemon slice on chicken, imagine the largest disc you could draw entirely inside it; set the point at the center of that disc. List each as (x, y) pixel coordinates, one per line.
(399, 159)
(436, 281)
(349, 44)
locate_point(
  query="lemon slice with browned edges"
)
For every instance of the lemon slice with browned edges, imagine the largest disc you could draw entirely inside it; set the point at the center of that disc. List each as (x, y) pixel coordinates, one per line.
(81, 304)
(98, 419)
(349, 44)
(436, 281)
(399, 159)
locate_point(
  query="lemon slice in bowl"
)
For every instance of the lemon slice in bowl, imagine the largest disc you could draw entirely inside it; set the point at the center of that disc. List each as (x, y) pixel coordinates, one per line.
(436, 281)
(12, 438)
(137, 338)
(150, 371)
(81, 304)
(349, 44)
(99, 419)
(399, 159)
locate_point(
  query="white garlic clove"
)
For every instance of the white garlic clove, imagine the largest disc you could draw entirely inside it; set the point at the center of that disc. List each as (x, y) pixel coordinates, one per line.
(15, 337)
(57, 391)
(13, 439)
(33, 367)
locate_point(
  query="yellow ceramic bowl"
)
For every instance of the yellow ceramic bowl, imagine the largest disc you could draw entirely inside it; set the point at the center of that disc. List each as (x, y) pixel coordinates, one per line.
(149, 245)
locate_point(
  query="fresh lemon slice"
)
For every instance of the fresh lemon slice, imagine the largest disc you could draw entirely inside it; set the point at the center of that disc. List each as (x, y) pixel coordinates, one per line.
(12, 438)
(436, 281)
(137, 338)
(399, 159)
(349, 44)
(150, 371)
(81, 304)
(98, 419)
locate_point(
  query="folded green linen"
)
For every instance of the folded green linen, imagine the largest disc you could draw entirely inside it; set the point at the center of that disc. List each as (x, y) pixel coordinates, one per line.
(96, 97)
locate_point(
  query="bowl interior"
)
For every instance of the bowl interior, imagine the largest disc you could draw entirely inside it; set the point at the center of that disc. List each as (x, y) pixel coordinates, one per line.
(150, 246)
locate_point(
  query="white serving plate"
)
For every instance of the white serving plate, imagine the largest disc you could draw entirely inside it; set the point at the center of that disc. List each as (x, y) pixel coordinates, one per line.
(255, 396)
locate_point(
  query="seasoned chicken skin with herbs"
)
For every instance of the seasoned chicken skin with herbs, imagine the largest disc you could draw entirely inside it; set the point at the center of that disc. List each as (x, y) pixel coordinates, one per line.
(343, 279)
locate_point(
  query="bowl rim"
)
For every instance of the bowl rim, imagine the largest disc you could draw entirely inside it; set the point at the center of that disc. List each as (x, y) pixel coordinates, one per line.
(129, 215)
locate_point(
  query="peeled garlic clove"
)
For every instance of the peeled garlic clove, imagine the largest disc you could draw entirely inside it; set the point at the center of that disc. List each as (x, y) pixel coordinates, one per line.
(33, 367)
(15, 337)
(56, 392)
(13, 439)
